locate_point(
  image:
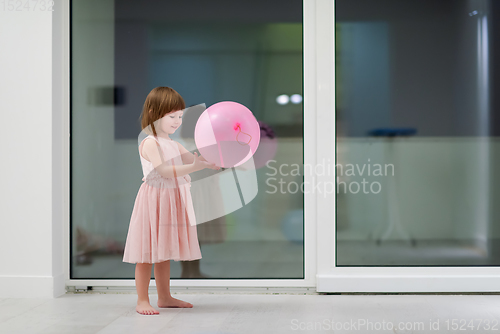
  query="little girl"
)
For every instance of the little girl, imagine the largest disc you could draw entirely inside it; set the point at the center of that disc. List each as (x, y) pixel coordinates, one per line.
(162, 226)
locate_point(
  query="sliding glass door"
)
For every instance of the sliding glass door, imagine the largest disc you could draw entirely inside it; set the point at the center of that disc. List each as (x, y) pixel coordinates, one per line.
(246, 51)
(416, 96)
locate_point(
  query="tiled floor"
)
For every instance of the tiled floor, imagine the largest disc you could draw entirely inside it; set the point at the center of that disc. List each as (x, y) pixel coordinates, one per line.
(253, 313)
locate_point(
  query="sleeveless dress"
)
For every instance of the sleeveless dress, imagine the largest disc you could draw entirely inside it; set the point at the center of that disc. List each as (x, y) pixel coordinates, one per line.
(162, 225)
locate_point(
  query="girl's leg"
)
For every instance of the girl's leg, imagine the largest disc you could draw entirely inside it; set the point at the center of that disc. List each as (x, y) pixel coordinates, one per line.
(142, 278)
(162, 278)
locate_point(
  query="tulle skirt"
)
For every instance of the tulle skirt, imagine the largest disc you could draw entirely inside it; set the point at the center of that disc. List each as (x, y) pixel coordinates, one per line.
(160, 227)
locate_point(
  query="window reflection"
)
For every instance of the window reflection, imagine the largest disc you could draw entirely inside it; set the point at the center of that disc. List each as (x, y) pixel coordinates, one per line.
(416, 89)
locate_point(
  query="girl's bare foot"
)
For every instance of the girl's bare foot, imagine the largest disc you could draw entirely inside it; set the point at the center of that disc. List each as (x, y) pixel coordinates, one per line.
(145, 308)
(173, 302)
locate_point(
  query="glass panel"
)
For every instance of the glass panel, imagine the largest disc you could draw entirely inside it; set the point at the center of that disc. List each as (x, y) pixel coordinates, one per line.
(417, 140)
(249, 52)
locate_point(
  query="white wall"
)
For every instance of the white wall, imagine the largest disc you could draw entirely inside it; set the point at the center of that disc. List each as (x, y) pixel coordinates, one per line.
(31, 242)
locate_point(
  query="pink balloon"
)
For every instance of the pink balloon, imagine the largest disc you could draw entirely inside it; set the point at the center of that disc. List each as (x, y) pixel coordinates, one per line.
(227, 134)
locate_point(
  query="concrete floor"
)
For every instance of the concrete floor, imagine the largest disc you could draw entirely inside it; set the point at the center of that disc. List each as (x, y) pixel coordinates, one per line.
(253, 313)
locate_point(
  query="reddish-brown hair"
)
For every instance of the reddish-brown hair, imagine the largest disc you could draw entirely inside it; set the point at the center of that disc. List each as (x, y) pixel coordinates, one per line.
(159, 102)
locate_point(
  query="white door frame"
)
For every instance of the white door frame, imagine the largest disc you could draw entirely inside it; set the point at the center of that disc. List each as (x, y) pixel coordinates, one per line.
(62, 47)
(330, 278)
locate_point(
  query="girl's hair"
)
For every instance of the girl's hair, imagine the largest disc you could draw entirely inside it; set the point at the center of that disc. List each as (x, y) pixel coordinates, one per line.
(161, 101)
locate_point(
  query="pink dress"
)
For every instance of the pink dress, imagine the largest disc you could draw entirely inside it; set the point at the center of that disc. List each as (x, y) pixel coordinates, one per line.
(162, 226)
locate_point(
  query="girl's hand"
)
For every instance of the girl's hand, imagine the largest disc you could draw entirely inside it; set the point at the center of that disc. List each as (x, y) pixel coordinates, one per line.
(200, 163)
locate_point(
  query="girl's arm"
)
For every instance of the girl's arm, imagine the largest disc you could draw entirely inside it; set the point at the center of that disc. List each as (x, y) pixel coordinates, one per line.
(153, 153)
(187, 157)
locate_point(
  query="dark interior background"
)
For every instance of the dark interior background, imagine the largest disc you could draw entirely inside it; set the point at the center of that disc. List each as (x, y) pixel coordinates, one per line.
(176, 32)
(431, 67)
